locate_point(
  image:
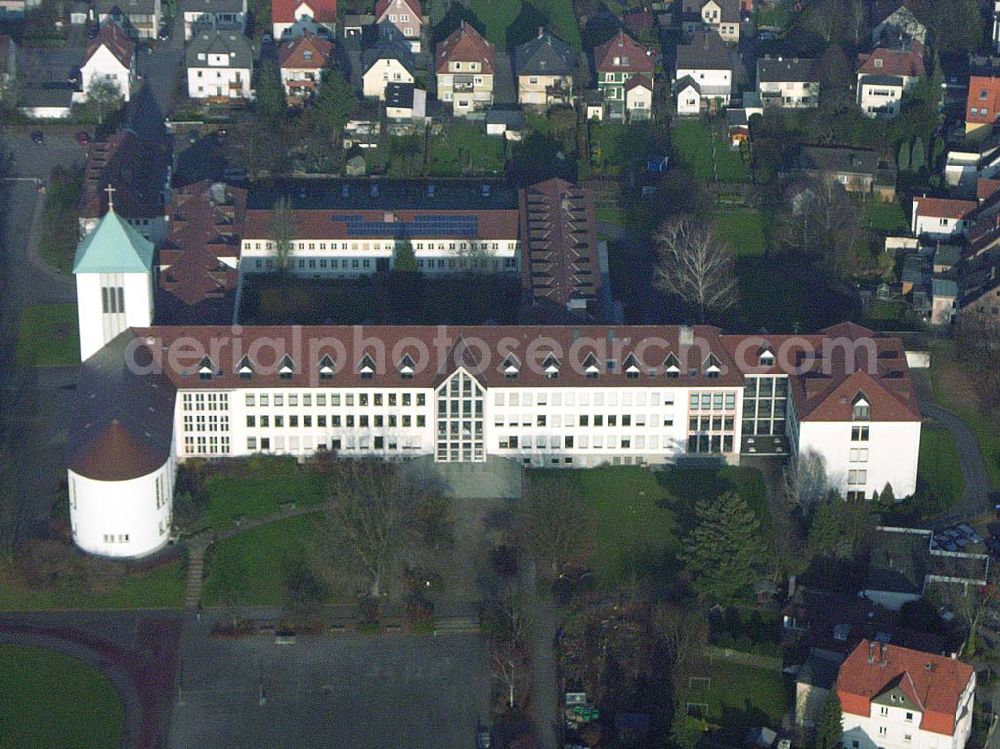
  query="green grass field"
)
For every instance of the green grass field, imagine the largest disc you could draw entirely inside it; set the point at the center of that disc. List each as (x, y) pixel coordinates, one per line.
(52, 700)
(514, 22)
(259, 487)
(885, 217)
(939, 464)
(692, 141)
(162, 587)
(49, 336)
(254, 563)
(640, 516)
(464, 149)
(743, 229)
(738, 696)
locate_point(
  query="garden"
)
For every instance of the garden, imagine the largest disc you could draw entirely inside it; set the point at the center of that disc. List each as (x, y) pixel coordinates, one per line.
(49, 336)
(704, 147)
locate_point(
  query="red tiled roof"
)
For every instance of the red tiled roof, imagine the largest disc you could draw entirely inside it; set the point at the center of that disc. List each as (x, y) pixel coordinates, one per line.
(984, 97)
(114, 454)
(944, 207)
(117, 42)
(465, 44)
(639, 80)
(986, 188)
(893, 61)
(292, 54)
(632, 56)
(323, 11)
(932, 682)
(382, 7)
(321, 224)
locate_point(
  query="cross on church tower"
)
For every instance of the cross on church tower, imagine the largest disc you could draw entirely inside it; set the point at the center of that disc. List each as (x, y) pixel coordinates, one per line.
(111, 200)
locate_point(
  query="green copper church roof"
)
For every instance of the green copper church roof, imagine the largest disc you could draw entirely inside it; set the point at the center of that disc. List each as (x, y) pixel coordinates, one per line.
(114, 247)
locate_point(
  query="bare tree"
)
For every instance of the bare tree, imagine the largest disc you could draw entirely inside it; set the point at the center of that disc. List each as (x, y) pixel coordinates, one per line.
(508, 624)
(555, 525)
(375, 515)
(971, 603)
(806, 482)
(823, 220)
(16, 412)
(682, 634)
(695, 265)
(105, 95)
(282, 230)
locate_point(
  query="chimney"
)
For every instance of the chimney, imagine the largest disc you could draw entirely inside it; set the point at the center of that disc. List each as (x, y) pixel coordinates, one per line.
(791, 586)
(871, 652)
(885, 653)
(686, 335)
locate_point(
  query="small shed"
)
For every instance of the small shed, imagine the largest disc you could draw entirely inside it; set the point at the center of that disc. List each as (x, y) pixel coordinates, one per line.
(507, 123)
(356, 166)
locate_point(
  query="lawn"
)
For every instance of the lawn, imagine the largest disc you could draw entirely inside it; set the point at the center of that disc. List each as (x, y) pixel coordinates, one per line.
(693, 145)
(60, 218)
(513, 22)
(257, 487)
(885, 217)
(614, 147)
(249, 569)
(463, 149)
(939, 464)
(739, 697)
(49, 336)
(640, 516)
(48, 699)
(162, 587)
(743, 229)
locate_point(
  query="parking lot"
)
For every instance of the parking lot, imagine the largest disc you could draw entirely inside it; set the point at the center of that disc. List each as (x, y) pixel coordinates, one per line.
(401, 691)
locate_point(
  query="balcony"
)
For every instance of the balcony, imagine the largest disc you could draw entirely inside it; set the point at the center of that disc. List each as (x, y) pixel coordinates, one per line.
(463, 84)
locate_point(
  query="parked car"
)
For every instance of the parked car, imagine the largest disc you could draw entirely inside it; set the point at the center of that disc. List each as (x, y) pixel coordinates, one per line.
(969, 533)
(38, 137)
(82, 138)
(164, 32)
(483, 740)
(74, 75)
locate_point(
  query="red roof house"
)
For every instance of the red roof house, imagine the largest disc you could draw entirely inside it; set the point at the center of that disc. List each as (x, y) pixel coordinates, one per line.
(285, 14)
(983, 102)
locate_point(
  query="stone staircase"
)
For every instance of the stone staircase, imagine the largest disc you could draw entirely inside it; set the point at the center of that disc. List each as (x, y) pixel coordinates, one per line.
(195, 572)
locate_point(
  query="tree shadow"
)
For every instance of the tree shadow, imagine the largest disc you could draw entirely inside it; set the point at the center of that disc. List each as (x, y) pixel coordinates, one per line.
(536, 158)
(453, 19)
(525, 26)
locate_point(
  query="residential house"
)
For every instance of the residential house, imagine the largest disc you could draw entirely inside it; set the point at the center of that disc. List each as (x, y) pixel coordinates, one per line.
(507, 123)
(788, 82)
(400, 20)
(8, 68)
(639, 98)
(983, 102)
(906, 562)
(944, 301)
(724, 17)
(813, 683)
(895, 23)
(302, 61)
(290, 18)
(857, 169)
(619, 61)
(213, 15)
(975, 160)
(219, 66)
(896, 698)
(704, 74)
(885, 75)
(464, 68)
(110, 57)
(143, 16)
(545, 67)
(12, 9)
(388, 62)
(941, 218)
(405, 104)
(980, 304)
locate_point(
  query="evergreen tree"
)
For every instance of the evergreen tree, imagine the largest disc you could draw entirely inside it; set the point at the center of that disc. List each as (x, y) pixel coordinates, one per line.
(826, 532)
(282, 232)
(270, 93)
(903, 161)
(830, 725)
(888, 496)
(334, 103)
(917, 158)
(405, 259)
(724, 552)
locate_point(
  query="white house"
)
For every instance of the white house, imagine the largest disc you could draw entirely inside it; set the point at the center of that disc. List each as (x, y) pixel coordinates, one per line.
(219, 66)
(941, 218)
(213, 15)
(706, 62)
(880, 95)
(400, 21)
(639, 97)
(301, 61)
(788, 82)
(464, 69)
(385, 64)
(290, 18)
(896, 698)
(110, 57)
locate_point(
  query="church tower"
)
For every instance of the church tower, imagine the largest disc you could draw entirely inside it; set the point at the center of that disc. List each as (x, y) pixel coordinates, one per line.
(114, 281)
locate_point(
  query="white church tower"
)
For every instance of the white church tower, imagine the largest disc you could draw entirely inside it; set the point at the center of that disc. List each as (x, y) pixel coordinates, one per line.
(114, 281)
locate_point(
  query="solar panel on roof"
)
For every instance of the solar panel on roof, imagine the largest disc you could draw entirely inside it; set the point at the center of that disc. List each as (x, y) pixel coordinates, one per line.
(422, 225)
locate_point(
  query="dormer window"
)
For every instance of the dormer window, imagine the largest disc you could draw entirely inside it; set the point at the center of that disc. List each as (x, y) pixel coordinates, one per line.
(766, 358)
(878, 62)
(590, 367)
(326, 368)
(712, 367)
(206, 369)
(672, 366)
(406, 367)
(511, 367)
(632, 367)
(366, 368)
(244, 368)
(287, 368)
(861, 410)
(550, 367)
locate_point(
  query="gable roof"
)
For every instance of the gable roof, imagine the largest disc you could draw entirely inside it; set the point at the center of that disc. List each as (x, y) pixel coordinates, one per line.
(125, 7)
(639, 80)
(705, 51)
(933, 683)
(545, 55)
(117, 43)
(306, 51)
(786, 70)
(886, 10)
(943, 207)
(622, 54)
(113, 247)
(886, 61)
(233, 44)
(389, 49)
(465, 44)
(323, 11)
(384, 6)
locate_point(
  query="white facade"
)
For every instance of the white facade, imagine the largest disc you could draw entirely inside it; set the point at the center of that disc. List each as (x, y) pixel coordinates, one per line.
(467, 91)
(790, 94)
(688, 100)
(122, 518)
(216, 20)
(714, 84)
(880, 98)
(104, 66)
(108, 303)
(304, 19)
(939, 227)
(639, 101)
(384, 71)
(890, 727)
(218, 80)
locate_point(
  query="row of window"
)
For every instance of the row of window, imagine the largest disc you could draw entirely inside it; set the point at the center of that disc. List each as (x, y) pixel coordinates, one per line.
(557, 420)
(369, 246)
(206, 445)
(712, 401)
(582, 442)
(336, 399)
(199, 423)
(335, 421)
(205, 401)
